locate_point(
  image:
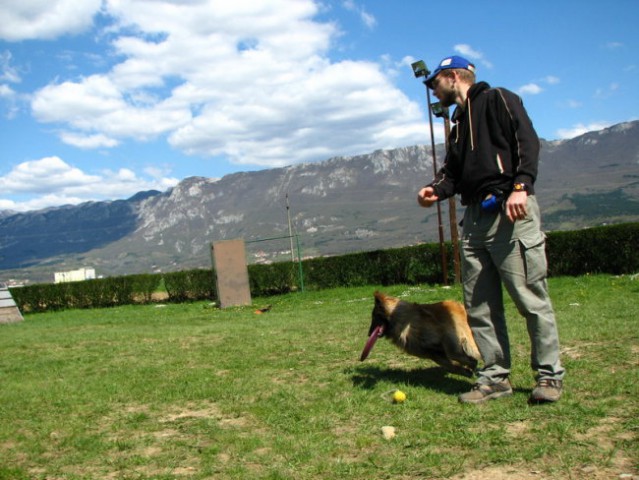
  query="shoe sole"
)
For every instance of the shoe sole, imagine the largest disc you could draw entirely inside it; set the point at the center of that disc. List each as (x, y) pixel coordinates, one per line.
(538, 400)
(491, 396)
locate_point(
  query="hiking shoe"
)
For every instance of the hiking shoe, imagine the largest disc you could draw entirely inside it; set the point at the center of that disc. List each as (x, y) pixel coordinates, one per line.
(547, 390)
(480, 393)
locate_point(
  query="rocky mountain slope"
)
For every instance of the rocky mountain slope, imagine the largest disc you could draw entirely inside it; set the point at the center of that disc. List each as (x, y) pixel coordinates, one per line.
(341, 205)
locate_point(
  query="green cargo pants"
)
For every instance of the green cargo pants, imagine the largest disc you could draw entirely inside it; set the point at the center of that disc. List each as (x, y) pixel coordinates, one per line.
(495, 252)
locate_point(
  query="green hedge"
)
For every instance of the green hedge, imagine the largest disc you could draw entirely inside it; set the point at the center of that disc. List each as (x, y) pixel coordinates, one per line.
(610, 249)
(107, 292)
(190, 285)
(145, 285)
(417, 264)
(273, 279)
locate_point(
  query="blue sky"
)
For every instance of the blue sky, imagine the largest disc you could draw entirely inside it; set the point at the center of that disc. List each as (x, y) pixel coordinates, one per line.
(100, 99)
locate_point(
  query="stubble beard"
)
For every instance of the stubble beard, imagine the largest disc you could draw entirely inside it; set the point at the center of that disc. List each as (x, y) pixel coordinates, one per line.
(447, 98)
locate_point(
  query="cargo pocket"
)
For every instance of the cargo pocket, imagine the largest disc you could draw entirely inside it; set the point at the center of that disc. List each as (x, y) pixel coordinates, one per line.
(533, 252)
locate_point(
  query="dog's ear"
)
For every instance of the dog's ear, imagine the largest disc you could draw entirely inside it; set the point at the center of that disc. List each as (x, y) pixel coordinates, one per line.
(378, 298)
(386, 302)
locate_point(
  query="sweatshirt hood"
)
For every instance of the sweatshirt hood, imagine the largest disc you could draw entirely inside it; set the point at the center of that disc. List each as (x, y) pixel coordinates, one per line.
(475, 90)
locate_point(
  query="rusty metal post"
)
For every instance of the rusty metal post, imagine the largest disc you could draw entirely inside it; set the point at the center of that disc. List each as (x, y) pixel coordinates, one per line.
(440, 224)
(452, 213)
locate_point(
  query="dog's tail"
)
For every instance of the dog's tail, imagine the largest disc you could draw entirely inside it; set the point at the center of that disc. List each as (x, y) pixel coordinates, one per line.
(464, 333)
(470, 347)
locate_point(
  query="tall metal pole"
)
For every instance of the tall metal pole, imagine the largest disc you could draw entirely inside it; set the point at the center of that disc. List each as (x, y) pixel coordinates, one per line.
(299, 262)
(420, 70)
(290, 230)
(440, 224)
(452, 213)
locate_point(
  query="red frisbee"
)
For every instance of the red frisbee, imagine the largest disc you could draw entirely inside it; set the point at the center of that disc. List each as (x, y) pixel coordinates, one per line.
(379, 329)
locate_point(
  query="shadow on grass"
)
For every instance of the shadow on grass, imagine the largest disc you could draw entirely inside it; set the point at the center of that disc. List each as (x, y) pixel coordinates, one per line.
(434, 378)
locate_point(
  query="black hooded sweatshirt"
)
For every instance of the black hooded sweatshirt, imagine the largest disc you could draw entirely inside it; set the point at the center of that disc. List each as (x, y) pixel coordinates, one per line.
(491, 146)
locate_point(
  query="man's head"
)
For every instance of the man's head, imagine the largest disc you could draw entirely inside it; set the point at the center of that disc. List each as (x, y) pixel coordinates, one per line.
(463, 67)
(451, 80)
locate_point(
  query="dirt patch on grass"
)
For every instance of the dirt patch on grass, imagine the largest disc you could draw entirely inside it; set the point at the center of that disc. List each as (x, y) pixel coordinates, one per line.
(206, 411)
(144, 449)
(579, 350)
(510, 472)
(606, 437)
(192, 411)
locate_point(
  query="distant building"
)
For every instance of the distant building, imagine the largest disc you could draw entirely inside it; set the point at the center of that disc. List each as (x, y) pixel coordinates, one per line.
(74, 275)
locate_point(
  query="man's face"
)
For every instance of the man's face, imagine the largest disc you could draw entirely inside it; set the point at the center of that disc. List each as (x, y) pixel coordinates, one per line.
(443, 89)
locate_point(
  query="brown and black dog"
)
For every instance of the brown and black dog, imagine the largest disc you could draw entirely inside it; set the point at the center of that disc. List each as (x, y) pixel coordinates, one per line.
(437, 331)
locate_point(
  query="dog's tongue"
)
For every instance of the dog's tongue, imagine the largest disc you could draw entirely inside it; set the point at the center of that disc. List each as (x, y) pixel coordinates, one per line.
(379, 330)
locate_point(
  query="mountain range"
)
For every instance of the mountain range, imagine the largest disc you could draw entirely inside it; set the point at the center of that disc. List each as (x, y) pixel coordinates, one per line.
(341, 205)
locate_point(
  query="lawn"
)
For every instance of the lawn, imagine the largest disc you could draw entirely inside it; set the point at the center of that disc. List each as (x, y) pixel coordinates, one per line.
(189, 391)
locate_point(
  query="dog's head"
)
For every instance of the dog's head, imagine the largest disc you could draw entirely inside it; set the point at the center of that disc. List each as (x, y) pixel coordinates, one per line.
(382, 312)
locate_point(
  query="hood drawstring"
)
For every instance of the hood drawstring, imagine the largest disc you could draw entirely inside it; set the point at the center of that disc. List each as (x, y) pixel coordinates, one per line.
(470, 126)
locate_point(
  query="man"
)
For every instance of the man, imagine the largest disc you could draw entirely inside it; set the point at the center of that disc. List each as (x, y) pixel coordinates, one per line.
(492, 163)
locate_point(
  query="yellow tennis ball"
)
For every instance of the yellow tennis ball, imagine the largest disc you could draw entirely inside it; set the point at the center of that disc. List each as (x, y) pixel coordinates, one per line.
(399, 396)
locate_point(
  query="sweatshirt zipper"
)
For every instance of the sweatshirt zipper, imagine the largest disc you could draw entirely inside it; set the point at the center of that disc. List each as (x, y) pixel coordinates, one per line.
(470, 125)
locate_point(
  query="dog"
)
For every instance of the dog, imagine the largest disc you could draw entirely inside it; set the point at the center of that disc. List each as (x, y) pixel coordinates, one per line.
(436, 331)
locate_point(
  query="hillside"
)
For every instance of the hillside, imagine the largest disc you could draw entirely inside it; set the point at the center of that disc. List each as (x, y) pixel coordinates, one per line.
(341, 205)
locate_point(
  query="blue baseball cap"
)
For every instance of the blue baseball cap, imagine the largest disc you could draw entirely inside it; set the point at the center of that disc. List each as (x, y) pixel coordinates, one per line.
(448, 63)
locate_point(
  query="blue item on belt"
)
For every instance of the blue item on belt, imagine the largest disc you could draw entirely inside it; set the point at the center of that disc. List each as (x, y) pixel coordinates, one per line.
(492, 203)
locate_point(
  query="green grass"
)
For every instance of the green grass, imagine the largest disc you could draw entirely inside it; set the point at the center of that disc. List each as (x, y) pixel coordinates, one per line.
(193, 392)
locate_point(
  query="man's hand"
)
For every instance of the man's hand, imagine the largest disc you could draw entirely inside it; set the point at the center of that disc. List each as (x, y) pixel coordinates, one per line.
(516, 206)
(426, 197)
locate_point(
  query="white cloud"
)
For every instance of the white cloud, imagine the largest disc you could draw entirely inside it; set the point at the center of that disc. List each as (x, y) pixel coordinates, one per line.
(614, 45)
(8, 73)
(88, 141)
(157, 171)
(6, 91)
(573, 103)
(470, 53)
(580, 129)
(307, 121)
(56, 183)
(533, 88)
(607, 92)
(10, 101)
(45, 19)
(530, 89)
(78, 103)
(46, 174)
(367, 19)
(98, 104)
(244, 80)
(39, 203)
